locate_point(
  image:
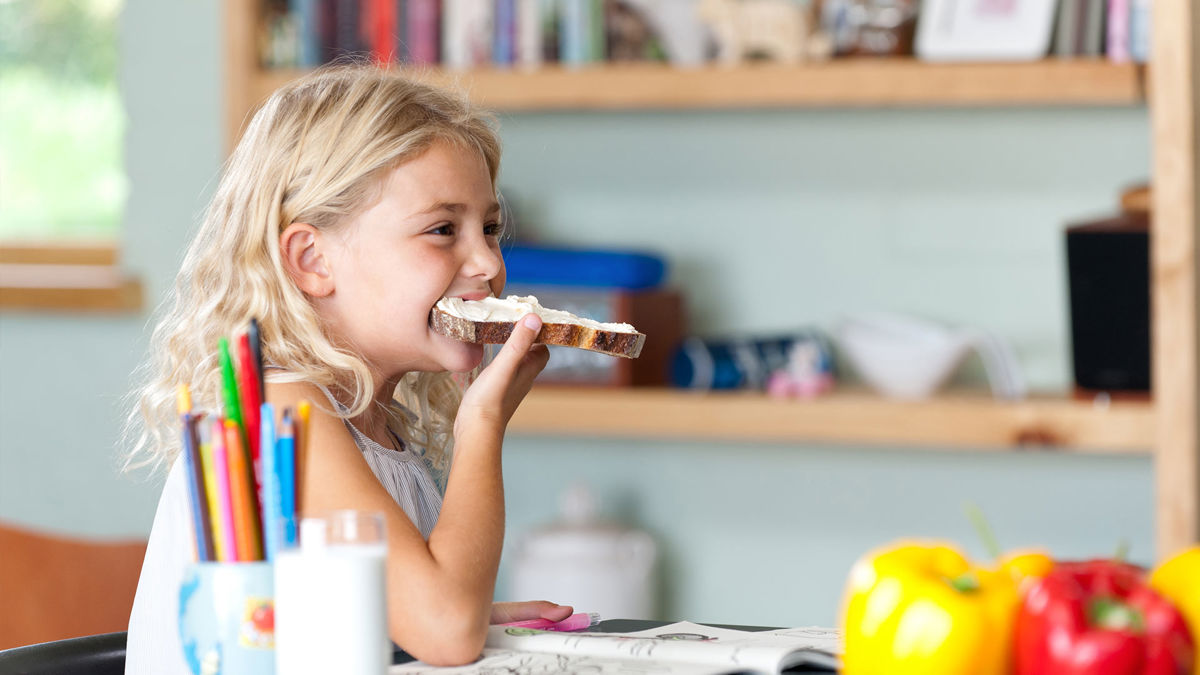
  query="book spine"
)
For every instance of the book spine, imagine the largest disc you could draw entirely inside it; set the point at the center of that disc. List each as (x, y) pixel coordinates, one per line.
(504, 27)
(400, 31)
(597, 34)
(573, 32)
(328, 24)
(308, 32)
(1066, 28)
(1118, 31)
(379, 24)
(423, 26)
(550, 12)
(1139, 30)
(348, 24)
(529, 33)
(454, 44)
(1092, 33)
(480, 14)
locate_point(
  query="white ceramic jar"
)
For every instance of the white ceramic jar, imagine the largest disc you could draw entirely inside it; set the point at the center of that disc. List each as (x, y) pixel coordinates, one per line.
(593, 565)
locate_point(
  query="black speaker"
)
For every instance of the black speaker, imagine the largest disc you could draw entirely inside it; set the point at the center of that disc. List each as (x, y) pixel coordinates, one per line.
(1108, 268)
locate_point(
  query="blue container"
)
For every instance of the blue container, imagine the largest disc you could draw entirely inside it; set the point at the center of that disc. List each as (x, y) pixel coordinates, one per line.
(591, 268)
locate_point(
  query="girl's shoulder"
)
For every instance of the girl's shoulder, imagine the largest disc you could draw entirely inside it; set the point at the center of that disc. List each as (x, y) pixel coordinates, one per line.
(284, 394)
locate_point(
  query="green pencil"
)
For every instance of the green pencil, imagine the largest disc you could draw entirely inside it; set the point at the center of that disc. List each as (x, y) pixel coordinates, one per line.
(229, 392)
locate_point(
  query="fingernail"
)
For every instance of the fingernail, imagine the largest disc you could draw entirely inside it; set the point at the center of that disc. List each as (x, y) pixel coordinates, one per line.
(532, 321)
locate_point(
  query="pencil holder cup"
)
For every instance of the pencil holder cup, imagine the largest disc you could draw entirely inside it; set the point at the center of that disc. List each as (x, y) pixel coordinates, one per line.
(227, 618)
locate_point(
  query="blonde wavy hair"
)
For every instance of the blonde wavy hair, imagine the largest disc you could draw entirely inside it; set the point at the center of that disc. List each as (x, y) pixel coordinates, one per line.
(316, 152)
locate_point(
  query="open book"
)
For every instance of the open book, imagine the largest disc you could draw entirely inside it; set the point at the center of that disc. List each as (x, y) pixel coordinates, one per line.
(678, 648)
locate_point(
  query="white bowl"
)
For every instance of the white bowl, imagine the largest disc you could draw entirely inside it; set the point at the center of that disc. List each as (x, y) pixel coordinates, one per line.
(902, 357)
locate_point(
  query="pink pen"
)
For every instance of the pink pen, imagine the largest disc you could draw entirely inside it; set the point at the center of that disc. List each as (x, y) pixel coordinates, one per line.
(577, 621)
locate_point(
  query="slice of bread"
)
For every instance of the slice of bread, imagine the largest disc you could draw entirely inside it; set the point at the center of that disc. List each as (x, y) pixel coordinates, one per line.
(491, 321)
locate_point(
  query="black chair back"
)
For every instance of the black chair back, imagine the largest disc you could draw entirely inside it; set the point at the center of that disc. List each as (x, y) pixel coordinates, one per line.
(91, 655)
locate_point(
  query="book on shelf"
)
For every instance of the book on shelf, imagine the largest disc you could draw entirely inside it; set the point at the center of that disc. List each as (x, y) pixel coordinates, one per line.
(467, 33)
(423, 31)
(1117, 45)
(675, 649)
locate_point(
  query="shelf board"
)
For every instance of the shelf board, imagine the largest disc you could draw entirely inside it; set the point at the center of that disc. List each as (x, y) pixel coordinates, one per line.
(841, 82)
(951, 421)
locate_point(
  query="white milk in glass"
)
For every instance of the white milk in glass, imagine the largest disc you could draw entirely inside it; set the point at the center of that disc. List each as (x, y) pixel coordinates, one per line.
(330, 600)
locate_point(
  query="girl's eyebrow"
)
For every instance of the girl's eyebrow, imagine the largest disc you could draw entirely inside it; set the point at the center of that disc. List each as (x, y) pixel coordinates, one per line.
(455, 207)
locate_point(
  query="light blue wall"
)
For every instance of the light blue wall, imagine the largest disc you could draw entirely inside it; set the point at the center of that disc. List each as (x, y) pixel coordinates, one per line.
(772, 219)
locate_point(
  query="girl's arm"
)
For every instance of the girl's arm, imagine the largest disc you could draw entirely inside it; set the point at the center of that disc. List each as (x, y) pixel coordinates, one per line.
(440, 591)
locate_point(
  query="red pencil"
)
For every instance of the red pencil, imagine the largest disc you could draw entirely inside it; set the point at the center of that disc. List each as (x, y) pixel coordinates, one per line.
(250, 399)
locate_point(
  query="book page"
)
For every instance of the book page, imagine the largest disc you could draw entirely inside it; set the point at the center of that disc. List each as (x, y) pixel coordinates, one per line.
(508, 662)
(682, 647)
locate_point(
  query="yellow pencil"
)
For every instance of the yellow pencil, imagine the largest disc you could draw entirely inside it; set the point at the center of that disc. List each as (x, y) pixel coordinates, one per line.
(183, 399)
(303, 410)
(214, 504)
(241, 488)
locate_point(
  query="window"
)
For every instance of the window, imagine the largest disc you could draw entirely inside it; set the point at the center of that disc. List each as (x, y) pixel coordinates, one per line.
(61, 123)
(62, 180)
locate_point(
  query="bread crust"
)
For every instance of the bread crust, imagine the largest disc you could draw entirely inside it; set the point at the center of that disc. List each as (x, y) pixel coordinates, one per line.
(625, 345)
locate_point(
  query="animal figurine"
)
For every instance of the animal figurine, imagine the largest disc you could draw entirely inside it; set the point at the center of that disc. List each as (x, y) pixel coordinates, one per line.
(781, 30)
(629, 35)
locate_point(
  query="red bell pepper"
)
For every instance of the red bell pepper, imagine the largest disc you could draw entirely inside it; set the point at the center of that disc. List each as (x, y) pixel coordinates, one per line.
(1099, 618)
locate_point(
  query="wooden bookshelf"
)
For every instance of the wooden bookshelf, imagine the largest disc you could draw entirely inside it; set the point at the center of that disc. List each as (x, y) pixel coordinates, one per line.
(845, 82)
(953, 421)
(1169, 430)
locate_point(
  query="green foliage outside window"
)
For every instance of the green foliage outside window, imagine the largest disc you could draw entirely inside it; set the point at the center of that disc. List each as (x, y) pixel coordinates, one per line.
(61, 120)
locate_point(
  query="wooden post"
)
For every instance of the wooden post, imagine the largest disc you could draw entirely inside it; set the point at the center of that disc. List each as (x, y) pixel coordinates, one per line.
(239, 65)
(1174, 92)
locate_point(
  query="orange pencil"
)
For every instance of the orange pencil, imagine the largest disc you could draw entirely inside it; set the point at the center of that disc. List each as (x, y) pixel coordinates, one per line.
(241, 488)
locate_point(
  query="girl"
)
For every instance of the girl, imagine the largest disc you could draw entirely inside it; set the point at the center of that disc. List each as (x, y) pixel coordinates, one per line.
(355, 200)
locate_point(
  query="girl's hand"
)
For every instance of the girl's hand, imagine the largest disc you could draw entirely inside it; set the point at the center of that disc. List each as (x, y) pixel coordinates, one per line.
(503, 384)
(507, 612)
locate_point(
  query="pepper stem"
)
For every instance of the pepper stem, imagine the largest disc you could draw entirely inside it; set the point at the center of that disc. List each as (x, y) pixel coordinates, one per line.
(964, 583)
(1122, 550)
(1112, 614)
(990, 543)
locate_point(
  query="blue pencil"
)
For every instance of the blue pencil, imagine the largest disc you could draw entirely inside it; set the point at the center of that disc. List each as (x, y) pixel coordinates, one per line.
(285, 445)
(269, 480)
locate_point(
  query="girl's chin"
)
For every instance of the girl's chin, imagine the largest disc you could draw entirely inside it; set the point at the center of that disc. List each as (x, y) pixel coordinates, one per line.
(465, 357)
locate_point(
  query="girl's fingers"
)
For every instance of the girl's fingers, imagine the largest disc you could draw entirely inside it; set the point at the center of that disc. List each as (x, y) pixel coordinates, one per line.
(524, 333)
(506, 612)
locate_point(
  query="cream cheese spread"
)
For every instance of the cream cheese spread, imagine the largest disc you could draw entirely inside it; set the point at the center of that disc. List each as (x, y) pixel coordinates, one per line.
(514, 307)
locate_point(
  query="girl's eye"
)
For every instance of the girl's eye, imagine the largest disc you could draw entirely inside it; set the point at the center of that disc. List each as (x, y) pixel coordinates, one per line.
(493, 229)
(445, 229)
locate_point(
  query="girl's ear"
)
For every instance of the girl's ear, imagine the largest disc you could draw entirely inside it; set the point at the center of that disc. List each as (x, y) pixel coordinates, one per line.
(301, 246)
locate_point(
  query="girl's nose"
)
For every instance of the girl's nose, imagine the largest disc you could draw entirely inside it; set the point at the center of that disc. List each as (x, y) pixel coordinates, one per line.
(483, 260)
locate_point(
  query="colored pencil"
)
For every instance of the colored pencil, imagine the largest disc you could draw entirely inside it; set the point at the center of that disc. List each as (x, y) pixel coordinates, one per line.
(210, 493)
(255, 335)
(229, 393)
(249, 399)
(195, 475)
(286, 468)
(270, 484)
(198, 499)
(303, 411)
(224, 493)
(241, 495)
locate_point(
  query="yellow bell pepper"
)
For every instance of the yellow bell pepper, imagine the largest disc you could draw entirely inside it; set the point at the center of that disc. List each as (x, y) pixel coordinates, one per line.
(923, 607)
(1178, 580)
